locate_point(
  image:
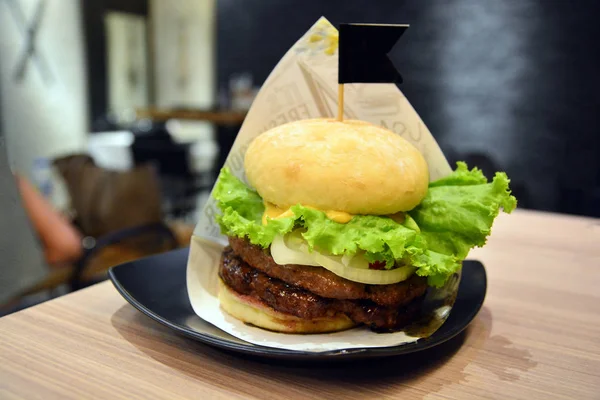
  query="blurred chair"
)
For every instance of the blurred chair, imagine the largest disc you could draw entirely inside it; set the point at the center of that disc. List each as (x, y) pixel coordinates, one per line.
(105, 201)
(117, 217)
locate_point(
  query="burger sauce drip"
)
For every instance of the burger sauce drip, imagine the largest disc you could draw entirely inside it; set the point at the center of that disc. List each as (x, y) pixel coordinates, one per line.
(273, 212)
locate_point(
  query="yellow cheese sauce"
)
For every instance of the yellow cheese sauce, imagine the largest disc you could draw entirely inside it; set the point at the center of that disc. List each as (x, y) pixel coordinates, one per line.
(399, 217)
(341, 217)
(273, 212)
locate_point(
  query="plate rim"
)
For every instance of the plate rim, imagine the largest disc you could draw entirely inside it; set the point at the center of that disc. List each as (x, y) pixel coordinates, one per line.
(273, 352)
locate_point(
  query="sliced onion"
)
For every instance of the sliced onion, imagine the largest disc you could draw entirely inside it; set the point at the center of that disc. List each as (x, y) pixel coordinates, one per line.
(368, 276)
(294, 250)
(283, 254)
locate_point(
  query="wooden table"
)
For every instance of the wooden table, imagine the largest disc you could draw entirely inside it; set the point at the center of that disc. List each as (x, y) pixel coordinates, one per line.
(218, 117)
(537, 336)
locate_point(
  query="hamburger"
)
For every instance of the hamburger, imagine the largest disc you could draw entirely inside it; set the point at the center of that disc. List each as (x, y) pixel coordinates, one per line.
(337, 225)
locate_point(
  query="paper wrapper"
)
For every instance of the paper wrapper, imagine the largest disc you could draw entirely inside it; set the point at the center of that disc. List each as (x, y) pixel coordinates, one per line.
(303, 85)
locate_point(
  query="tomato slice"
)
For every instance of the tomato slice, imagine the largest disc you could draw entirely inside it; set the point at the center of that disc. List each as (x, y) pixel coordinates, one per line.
(379, 265)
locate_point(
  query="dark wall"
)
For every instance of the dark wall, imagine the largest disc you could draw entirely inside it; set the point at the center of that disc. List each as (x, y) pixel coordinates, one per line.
(515, 80)
(94, 12)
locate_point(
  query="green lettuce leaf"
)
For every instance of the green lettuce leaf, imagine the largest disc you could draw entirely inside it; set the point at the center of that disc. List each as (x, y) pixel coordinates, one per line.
(242, 209)
(455, 216)
(458, 211)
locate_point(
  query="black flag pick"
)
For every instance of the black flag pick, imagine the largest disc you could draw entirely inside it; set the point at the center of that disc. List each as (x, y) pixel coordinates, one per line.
(363, 53)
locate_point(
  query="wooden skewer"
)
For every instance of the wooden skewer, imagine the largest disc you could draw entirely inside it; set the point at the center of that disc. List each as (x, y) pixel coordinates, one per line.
(340, 116)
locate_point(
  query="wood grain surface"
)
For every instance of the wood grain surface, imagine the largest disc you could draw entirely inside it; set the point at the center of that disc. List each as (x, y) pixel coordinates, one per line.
(537, 337)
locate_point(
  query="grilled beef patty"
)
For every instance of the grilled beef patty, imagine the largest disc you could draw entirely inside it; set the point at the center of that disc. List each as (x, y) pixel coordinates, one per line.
(294, 300)
(325, 283)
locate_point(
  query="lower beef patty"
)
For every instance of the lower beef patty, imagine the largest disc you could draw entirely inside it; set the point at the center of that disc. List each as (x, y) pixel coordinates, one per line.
(293, 300)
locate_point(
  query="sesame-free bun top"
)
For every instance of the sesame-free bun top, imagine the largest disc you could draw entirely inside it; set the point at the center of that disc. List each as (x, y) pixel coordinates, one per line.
(350, 166)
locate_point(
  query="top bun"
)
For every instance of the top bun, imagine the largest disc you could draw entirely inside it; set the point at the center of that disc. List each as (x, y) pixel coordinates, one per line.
(350, 166)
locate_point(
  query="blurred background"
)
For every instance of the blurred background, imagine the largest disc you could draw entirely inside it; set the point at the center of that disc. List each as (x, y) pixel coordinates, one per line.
(121, 112)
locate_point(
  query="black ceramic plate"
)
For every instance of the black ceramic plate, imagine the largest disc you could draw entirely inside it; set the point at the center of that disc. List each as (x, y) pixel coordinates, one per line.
(156, 286)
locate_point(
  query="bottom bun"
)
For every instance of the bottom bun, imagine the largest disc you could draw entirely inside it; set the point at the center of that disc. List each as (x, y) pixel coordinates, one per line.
(252, 311)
